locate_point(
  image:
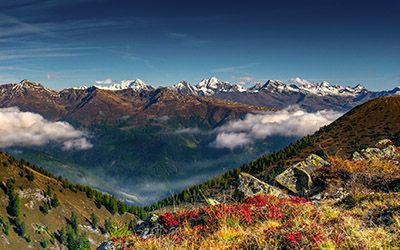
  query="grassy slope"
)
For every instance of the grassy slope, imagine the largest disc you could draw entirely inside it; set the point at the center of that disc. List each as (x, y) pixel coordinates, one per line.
(30, 191)
(361, 127)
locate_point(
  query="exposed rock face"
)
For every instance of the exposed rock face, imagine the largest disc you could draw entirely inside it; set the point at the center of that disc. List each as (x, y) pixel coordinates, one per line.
(384, 150)
(251, 186)
(299, 178)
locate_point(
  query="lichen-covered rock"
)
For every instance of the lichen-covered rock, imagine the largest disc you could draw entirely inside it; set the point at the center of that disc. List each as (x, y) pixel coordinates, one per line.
(372, 153)
(390, 152)
(357, 156)
(338, 195)
(251, 186)
(384, 143)
(212, 202)
(384, 150)
(299, 178)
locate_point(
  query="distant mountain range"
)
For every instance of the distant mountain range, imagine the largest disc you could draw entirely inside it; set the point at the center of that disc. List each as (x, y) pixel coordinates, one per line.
(273, 93)
(149, 142)
(131, 103)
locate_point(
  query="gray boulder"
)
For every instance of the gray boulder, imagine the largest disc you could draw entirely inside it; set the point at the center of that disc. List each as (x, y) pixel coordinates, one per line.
(384, 150)
(149, 227)
(299, 178)
(107, 245)
(152, 227)
(251, 186)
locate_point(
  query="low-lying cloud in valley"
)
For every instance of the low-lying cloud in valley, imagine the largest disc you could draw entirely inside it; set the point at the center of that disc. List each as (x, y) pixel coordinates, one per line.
(291, 121)
(19, 128)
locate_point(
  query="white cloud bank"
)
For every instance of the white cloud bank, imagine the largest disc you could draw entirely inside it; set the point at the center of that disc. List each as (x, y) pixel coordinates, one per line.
(291, 121)
(19, 128)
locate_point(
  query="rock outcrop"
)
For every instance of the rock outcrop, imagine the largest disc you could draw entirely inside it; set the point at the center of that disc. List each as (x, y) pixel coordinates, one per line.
(384, 149)
(299, 179)
(251, 186)
(149, 227)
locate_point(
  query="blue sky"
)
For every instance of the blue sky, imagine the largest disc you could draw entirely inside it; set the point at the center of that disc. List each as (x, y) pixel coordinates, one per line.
(68, 43)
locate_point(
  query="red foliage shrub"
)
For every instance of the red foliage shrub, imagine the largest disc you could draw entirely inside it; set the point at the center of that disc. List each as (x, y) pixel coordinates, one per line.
(168, 220)
(293, 237)
(258, 201)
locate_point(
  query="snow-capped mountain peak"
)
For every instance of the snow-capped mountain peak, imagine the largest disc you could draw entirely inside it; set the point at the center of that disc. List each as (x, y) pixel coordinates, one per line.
(133, 84)
(324, 84)
(185, 88)
(212, 85)
(278, 86)
(359, 87)
(238, 88)
(300, 82)
(136, 85)
(256, 87)
(28, 84)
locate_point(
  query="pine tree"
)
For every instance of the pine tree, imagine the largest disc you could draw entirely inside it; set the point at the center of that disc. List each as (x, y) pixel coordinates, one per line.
(107, 225)
(54, 201)
(14, 205)
(73, 221)
(94, 220)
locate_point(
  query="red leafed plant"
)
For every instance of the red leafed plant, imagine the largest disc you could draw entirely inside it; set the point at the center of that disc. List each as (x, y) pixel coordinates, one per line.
(168, 220)
(293, 237)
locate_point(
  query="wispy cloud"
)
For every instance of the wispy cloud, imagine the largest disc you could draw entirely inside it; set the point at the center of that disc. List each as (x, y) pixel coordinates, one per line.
(45, 52)
(20, 68)
(13, 27)
(146, 62)
(187, 39)
(35, 5)
(243, 80)
(178, 35)
(51, 75)
(232, 69)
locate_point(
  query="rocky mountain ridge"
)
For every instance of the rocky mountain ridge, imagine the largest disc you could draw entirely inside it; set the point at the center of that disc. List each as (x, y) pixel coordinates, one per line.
(272, 94)
(130, 102)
